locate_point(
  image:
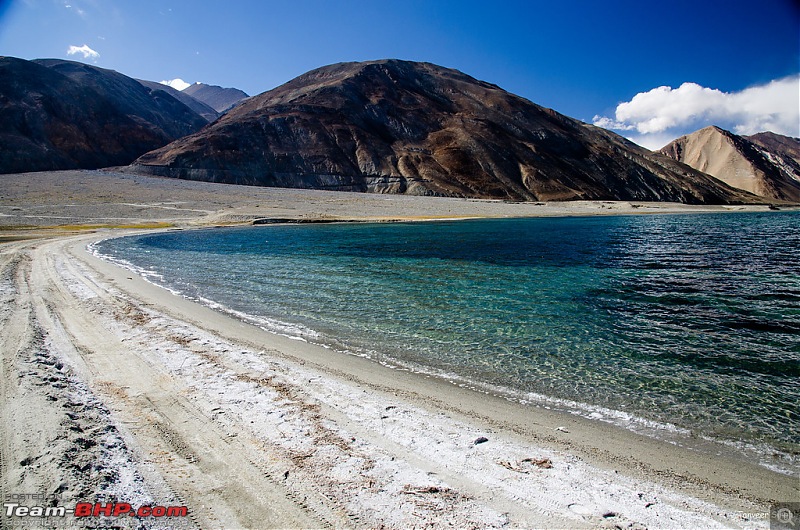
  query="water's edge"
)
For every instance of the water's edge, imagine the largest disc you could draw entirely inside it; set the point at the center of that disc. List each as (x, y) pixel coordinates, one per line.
(764, 455)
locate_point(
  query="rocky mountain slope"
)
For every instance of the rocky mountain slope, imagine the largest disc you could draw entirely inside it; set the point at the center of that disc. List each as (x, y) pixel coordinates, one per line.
(165, 114)
(783, 151)
(765, 164)
(777, 143)
(62, 115)
(417, 128)
(219, 98)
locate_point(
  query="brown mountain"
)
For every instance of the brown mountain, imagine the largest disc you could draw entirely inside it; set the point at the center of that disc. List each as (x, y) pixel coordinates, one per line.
(51, 121)
(219, 98)
(162, 112)
(48, 122)
(404, 127)
(766, 164)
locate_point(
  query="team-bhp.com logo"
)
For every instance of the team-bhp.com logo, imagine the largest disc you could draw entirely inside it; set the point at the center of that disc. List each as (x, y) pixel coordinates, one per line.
(94, 509)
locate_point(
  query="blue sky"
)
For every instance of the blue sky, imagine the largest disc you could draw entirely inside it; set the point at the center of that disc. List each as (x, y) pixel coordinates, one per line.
(648, 70)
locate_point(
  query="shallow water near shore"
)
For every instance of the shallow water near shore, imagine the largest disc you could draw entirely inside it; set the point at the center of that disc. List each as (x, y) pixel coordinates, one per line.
(689, 321)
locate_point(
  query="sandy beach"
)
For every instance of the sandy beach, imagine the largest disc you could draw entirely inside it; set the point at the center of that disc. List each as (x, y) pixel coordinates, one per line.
(116, 390)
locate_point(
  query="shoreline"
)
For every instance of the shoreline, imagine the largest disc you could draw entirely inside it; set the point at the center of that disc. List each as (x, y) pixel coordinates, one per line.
(562, 410)
(400, 418)
(184, 405)
(762, 454)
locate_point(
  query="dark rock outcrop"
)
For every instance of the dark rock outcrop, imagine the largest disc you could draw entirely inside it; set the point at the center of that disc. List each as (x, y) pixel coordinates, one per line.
(417, 128)
(219, 98)
(766, 164)
(53, 121)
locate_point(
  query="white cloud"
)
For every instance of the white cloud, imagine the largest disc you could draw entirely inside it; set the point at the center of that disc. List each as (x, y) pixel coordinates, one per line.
(85, 50)
(177, 84)
(666, 112)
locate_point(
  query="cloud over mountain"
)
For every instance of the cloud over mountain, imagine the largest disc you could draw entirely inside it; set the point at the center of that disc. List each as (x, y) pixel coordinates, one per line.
(85, 50)
(664, 111)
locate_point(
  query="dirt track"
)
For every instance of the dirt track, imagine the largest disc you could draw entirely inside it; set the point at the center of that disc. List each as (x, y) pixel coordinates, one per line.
(60, 338)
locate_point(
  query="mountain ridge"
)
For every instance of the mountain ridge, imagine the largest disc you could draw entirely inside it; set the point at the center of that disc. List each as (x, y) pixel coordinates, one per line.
(205, 111)
(221, 99)
(57, 114)
(387, 126)
(406, 127)
(167, 115)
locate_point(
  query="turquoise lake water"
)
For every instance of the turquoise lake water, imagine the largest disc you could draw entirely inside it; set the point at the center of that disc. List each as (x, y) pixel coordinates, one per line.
(691, 321)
